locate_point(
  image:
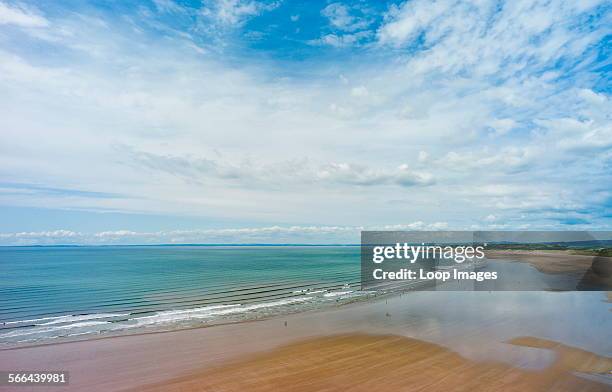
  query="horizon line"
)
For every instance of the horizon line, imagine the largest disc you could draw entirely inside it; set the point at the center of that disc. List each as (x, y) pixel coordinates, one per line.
(195, 244)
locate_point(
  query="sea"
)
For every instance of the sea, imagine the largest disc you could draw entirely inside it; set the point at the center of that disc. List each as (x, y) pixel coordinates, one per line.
(49, 293)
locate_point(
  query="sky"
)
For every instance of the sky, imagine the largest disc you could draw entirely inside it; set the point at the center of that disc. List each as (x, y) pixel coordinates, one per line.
(243, 121)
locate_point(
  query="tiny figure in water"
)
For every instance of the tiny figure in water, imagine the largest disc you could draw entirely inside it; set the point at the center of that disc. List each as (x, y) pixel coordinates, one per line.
(388, 315)
(285, 323)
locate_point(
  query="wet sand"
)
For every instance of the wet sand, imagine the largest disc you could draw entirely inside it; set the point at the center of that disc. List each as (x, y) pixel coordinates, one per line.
(361, 362)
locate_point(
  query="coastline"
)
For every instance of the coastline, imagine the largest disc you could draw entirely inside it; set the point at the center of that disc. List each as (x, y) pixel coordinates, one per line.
(463, 327)
(548, 262)
(161, 330)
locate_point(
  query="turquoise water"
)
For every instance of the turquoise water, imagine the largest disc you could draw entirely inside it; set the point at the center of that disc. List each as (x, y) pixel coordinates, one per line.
(52, 292)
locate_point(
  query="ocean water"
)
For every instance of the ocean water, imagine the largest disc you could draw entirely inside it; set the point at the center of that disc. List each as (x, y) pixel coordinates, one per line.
(48, 293)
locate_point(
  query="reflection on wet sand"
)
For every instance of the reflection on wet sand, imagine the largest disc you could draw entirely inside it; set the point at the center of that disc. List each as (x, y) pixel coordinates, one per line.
(569, 358)
(363, 362)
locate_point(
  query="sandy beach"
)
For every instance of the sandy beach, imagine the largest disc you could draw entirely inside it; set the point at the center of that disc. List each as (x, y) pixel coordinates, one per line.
(436, 340)
(388, 363)
(551, 261)
(592, 272)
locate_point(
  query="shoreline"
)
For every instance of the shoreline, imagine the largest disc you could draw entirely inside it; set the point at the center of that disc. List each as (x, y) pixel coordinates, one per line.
(66, 340)
(217, 335)
(549, 262)
(133, 361)
(516, 334)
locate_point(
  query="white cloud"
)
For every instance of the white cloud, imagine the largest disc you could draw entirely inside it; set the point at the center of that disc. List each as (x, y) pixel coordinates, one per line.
(359, 91)
(499, 160)
(360, 175)
(342, 17)
(167, 6)
(233, 13)
(268, 234)
(406, 21)
(349, 25)
(20, 15)
(341, 40)
(38, 235)
(590, 131)
(502, 126)
(423, 156)
(294, 173)
(480, 38)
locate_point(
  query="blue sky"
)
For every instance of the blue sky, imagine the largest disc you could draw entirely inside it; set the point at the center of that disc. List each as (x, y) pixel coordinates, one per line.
(283, 121)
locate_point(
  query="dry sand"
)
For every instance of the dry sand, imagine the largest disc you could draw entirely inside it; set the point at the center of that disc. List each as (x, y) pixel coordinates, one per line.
(360, 362)
(551, 262)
